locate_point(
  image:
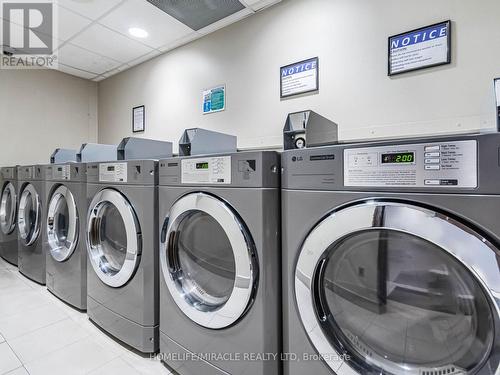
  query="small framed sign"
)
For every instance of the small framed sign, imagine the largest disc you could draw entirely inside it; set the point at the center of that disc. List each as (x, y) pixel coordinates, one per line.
(420, 48)
(497, 96)
(299, 78)
(138, 119)
(214, 99)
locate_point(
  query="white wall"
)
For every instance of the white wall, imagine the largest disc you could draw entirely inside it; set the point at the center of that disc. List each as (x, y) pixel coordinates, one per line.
(350, 38)
(42, 110)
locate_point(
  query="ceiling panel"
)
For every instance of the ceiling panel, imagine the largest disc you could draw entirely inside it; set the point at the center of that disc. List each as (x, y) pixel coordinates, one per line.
(92, 9)
(162, 29)
(111, 44)
(226, 21)
(179, 42)
(144, 58)
(69, 23)
(259, 4)
(77, 57)
(75, 72)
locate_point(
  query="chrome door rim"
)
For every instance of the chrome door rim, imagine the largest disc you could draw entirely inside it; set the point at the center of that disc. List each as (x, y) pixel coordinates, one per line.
(133, 233)
(8, 219)
(457, 242)
(27, 238)
(246, 268)
(62, 253)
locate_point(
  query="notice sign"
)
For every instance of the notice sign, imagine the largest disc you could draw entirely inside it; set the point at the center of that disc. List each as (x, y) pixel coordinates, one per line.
(421, 48)
(138, 119)
(497, 95)
(214, 99)
(299, 78)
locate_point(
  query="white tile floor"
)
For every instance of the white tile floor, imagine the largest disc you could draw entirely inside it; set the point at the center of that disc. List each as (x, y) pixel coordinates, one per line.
(40, 335)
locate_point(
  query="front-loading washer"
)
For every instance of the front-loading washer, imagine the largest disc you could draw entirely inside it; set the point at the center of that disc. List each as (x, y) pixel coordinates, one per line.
(220, 304)
(30, 214)
(8, 214)
(391, 257)
(122, 246)
(65, 194)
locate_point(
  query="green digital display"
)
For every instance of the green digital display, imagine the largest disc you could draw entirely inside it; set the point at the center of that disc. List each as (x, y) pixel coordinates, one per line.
(202, 165)
(398, 158)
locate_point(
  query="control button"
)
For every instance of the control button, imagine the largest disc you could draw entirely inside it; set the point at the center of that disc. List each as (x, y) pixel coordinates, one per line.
(432, 148)
(432, 182)
(432, 161)
(432, 154)
(432, 167)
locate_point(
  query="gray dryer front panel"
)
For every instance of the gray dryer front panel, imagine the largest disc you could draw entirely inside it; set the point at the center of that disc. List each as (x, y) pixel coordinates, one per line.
(8, 214)
(31, 214)
(64, 232)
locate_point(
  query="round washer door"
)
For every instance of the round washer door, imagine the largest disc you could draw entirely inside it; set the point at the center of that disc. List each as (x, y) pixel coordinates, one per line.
(208, 260)
(8, 208)
(399, 289)
(113, 238)
(62, 224)
(29, 215)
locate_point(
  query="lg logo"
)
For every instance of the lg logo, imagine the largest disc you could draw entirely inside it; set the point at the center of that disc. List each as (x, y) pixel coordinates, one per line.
(28, 27)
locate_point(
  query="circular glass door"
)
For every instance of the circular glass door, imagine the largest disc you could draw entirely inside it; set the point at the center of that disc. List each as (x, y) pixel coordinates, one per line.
(208, 260)
(28, 217)
(400, 290)
(62, 224)
(114, 238)
(8, 207)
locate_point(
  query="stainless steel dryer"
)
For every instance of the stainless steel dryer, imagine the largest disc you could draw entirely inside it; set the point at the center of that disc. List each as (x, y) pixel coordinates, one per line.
(64, 232)
(391, 257)
(220, 310)
(122, 245)
(29, 218)
(8, 214)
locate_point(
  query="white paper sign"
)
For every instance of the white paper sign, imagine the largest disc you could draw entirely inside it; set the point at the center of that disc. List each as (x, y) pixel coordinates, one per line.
(497, 91)
(138, 114)
(300, 78)
(421, 48)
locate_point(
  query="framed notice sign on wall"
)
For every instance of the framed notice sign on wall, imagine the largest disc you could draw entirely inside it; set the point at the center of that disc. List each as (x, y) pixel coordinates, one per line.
(138, 119)
(419, 49)
(497, 95)
(299, 78)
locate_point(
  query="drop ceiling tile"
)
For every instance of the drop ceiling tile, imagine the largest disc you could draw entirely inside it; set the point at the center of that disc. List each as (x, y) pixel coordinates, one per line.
(19, 30)
(162, 28)
(226, 21)
(111, 44)
(70, 23)
(92, 9)
(180, 42)
(75, 72)
(260, 4)
(79, 58)
(116, 71)
(144, 58)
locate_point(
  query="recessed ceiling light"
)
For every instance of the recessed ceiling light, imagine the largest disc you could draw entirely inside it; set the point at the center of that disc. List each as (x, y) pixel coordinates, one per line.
(137, 32)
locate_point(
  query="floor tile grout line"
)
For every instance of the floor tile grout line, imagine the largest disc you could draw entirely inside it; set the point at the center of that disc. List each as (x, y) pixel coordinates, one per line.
(27, 333)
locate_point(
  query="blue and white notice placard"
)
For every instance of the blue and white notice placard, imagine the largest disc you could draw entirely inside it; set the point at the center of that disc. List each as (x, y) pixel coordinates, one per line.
(299, 78)
(497, 91)
(420, 48)
(214, 99)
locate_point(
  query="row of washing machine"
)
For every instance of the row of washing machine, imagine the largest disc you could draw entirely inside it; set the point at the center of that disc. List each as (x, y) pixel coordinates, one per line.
(362, 258)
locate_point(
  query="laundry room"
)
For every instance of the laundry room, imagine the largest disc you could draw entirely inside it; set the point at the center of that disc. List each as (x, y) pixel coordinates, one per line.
(249, 187)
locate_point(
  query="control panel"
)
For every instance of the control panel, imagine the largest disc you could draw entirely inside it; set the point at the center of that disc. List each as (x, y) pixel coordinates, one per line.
(442, 164)
(209, 170)
(113, 172)
(61, 172)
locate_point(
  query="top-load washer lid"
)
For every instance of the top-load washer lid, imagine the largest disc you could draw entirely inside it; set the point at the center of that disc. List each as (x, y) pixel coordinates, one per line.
(62, 224)
(29, 215)
(113, 238)
(8, 208)
(399, 289)
(208, 260)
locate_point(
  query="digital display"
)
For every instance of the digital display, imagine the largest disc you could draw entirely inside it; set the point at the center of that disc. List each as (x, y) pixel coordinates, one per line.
(398, 158)
(202, 165)
(59, 169)
(111, 169)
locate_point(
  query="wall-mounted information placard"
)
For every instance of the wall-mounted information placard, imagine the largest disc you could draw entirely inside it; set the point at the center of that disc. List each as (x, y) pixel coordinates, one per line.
(138, 119)
(497, 95)
(299, 78)
(421, 48)
(214, 99)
